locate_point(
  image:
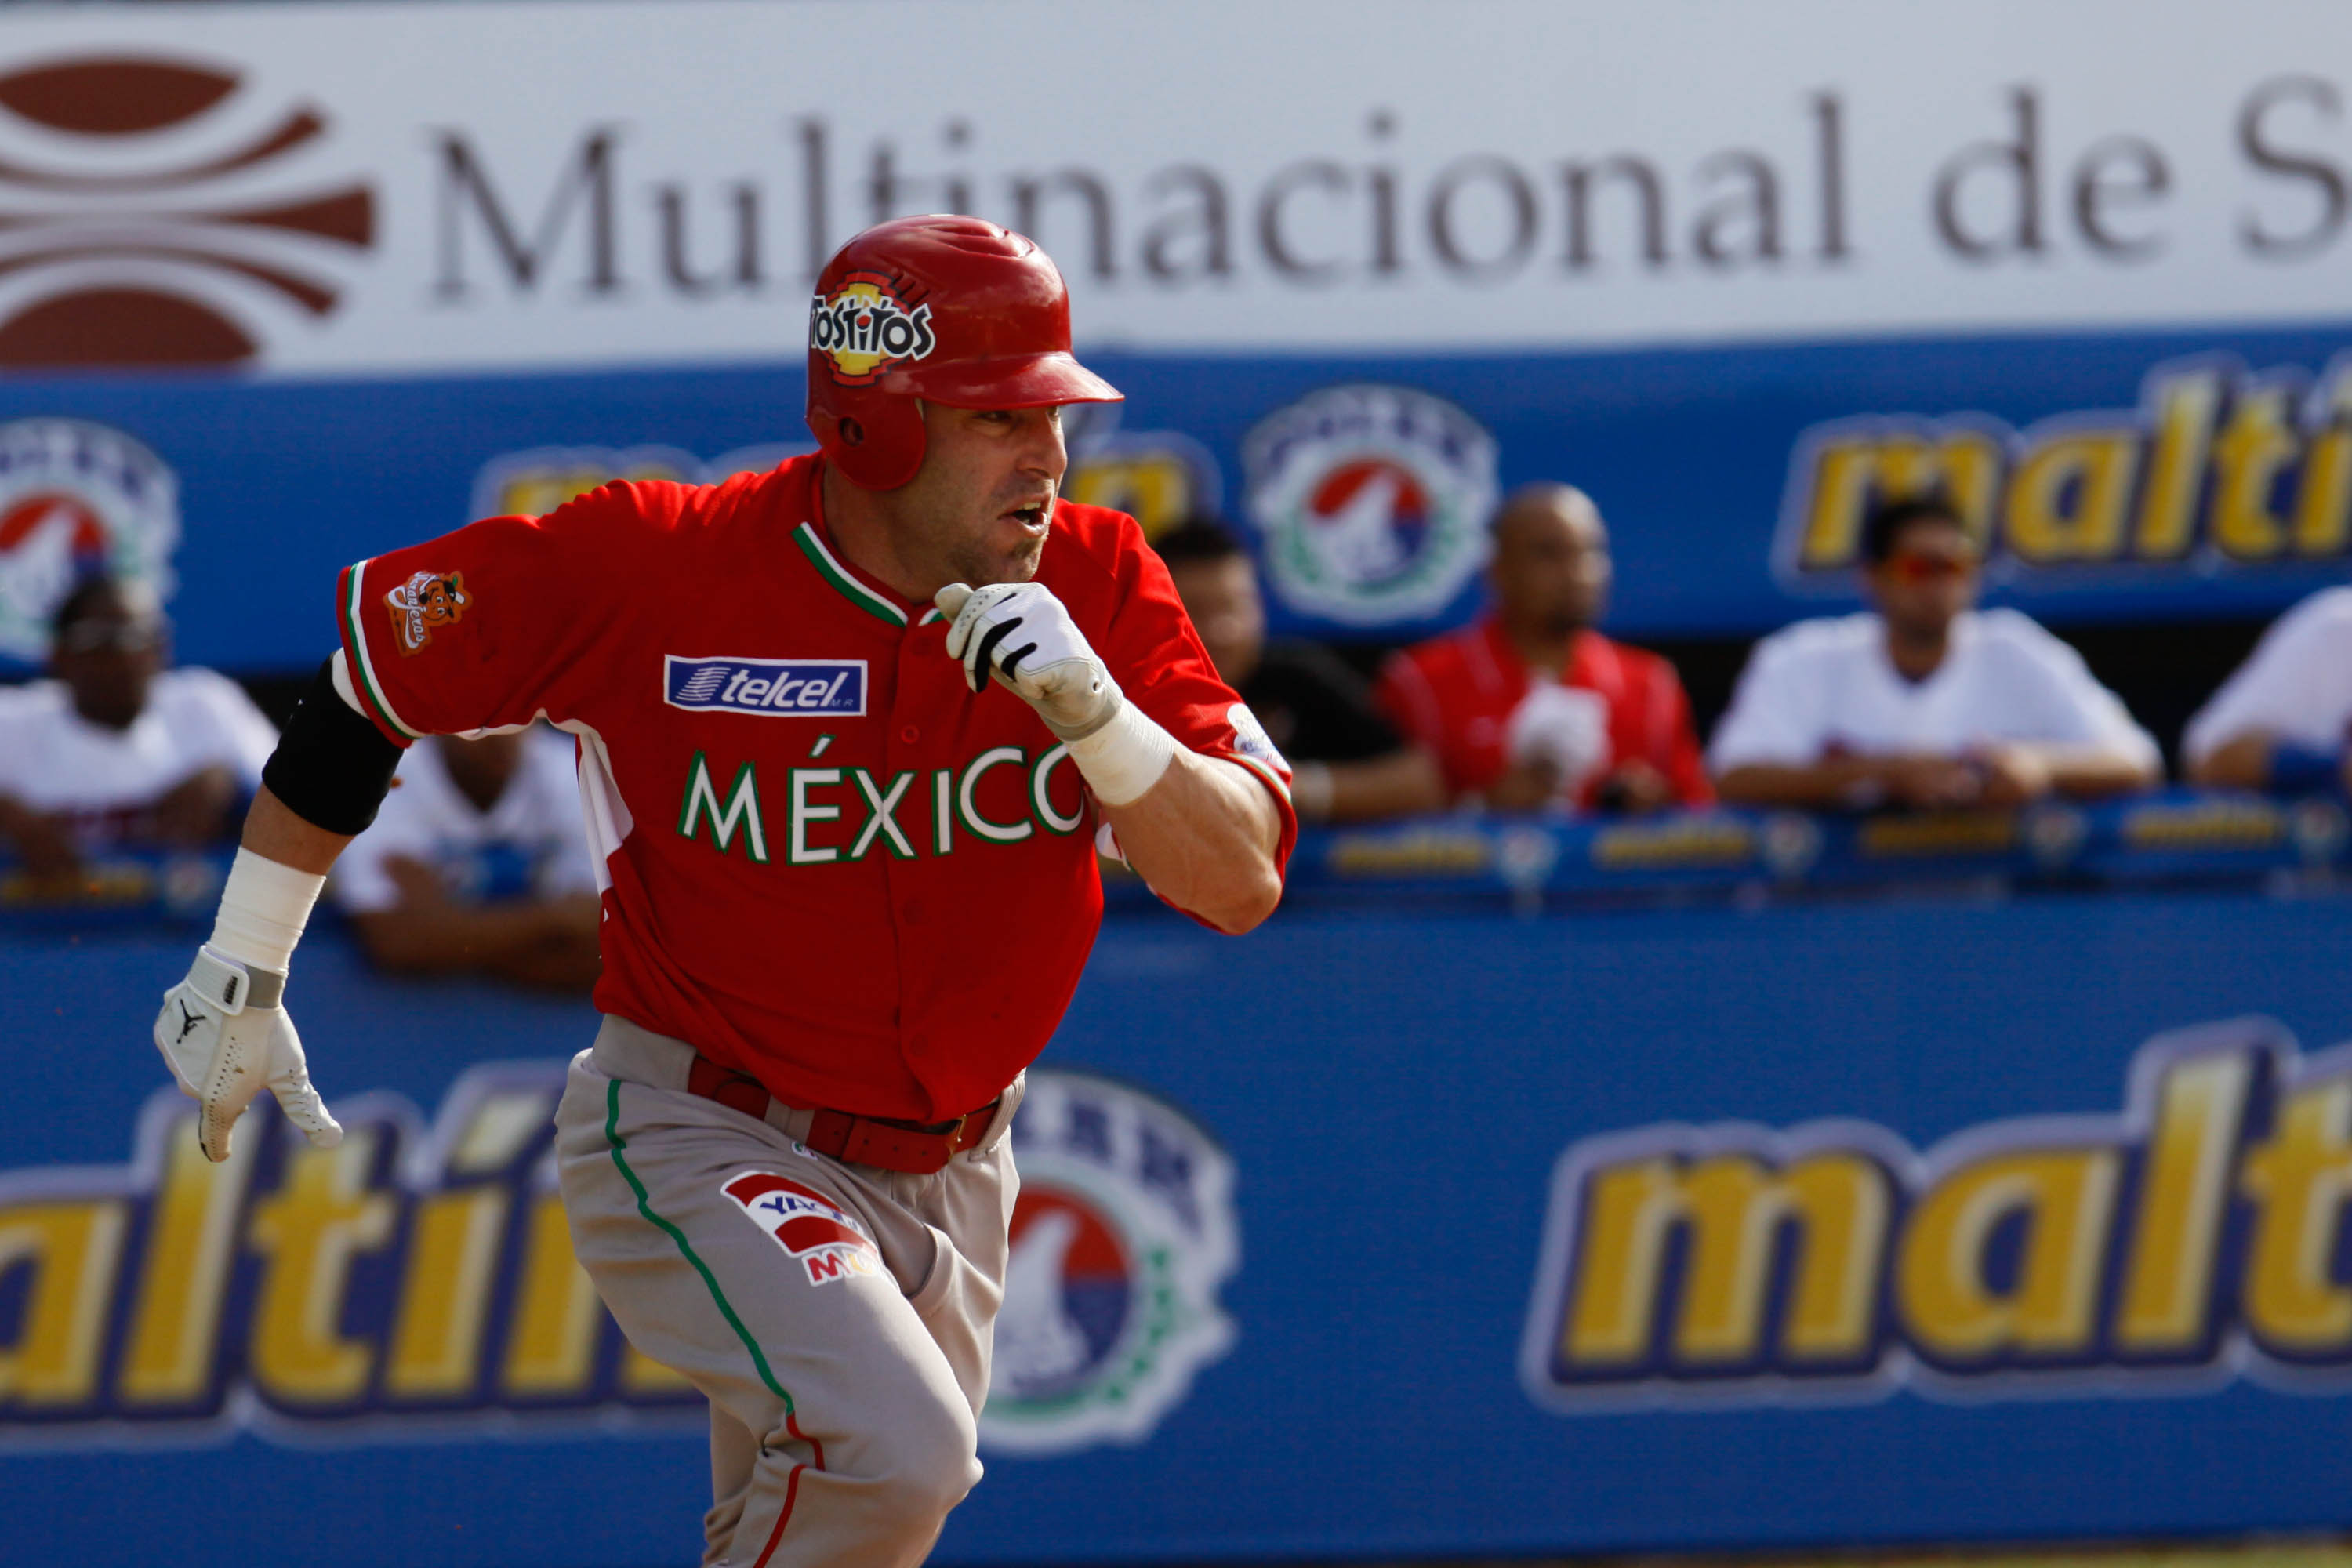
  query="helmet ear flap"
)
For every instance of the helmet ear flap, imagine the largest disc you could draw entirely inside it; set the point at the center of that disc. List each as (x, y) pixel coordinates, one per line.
(874, 438)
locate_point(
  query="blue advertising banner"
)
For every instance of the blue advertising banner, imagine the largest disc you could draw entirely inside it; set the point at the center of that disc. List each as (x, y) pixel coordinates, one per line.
(1373, 1233)
(2112, 476)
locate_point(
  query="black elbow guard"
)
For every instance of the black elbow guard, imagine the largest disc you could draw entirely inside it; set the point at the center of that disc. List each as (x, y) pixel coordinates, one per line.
(332, 768)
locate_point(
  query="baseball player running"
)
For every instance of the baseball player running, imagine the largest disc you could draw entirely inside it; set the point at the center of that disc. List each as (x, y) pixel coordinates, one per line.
(848, 733)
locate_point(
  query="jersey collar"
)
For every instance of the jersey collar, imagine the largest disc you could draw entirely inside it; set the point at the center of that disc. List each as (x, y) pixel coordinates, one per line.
(845, 579)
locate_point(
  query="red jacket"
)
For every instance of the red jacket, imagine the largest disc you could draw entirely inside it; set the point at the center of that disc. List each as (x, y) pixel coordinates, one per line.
(1455, 694)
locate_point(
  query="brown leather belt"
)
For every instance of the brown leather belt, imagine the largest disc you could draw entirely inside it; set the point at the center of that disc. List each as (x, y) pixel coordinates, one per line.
(919, 1148)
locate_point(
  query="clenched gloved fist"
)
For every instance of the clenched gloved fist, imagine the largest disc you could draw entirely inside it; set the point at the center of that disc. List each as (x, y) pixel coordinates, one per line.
(1021, 635)
(225, 1037)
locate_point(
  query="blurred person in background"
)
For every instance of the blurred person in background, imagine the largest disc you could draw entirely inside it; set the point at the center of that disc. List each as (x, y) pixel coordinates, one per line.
(478, 864)
(1923, 701)
(116, 749)
(1532, 706)
(1351, 766)
(2283, 720)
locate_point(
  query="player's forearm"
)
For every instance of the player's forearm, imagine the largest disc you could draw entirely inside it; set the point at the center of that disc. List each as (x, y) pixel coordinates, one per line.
(274, 832)
(2243, 761)
(446, 939)
(1205, 837)
(1825, 786)
(1405, 783)
(2088, 772)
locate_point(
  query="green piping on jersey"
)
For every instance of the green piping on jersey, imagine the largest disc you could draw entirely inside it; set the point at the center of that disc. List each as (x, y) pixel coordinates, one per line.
(357, 638)
(644, 1206)
(849, 587)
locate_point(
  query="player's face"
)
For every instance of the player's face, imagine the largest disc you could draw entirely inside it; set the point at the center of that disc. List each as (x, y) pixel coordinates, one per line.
(109, 656)
(978, 508)
(1551, 569)
(1927, 580)
(1222, 597)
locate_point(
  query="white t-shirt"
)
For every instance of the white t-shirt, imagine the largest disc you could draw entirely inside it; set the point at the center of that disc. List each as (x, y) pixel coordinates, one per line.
(53, 760)
(1825, 687)
(2296, 686)
(530, 842)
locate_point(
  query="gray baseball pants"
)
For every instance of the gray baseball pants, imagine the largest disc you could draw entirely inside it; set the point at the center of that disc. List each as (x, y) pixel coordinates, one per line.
(844, 1380)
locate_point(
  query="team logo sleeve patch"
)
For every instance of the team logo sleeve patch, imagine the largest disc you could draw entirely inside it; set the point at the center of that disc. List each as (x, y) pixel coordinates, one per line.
(427, 601)
(813, 1230)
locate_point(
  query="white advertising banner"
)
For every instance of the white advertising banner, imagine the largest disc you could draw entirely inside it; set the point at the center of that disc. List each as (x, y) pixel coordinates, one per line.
(418, 189)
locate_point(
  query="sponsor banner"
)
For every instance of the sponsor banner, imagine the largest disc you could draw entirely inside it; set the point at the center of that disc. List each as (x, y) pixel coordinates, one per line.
(2187, 1243)
(1122, 1237)
(2122, 476)
(359, 187)
(1690, 1230)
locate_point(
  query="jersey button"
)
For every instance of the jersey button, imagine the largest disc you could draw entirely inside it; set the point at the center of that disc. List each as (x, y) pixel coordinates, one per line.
(909, 734)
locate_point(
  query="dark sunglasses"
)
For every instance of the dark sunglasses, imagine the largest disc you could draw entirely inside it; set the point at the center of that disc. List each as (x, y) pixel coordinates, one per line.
(1908, 567)
(121, 637)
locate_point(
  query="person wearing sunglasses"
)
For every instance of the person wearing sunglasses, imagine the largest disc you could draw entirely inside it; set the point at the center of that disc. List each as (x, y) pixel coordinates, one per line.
(116, 749)
(1923, 701)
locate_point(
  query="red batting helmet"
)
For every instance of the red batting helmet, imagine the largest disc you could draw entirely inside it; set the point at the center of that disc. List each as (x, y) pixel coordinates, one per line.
(951, 310)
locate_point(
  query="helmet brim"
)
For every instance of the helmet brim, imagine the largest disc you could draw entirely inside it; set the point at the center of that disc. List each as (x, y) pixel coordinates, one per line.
(1027, 381)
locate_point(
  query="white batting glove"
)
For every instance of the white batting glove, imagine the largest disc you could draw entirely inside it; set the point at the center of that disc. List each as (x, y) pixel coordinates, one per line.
(225, 1039)
(1563, 726)
(1021, 635)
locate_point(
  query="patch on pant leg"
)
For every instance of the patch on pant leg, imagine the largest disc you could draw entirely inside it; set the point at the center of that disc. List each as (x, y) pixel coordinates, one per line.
(819, 1234)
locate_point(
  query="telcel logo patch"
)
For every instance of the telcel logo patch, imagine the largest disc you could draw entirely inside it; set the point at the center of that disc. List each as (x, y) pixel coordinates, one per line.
(778, 688)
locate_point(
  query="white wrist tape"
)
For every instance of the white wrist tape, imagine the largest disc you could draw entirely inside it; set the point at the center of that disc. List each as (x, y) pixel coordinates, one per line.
(264, 907)
(1125, 758)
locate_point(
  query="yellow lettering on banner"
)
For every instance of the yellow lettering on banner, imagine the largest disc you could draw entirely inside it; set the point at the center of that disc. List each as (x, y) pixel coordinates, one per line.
(1627, 1211)
(452, 1262)
(2299, 1181)
(72, 1248)
(2323, 503)
(641, 1374)
(310, 1230)
(1153, 488)
(2176, 472)
(2252, 447)
(540, 492)
(2168, 1290)
(2066, 1198)
(1734, 1206)
(191, 1243)
(551, 1347)
(1852, 473)
(2067, 499)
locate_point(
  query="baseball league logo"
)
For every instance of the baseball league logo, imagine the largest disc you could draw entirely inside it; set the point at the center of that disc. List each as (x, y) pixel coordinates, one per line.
(76, 499)
(428, 599)
(866, 327)
(1122, 1236)
(163, 211)
(819, 1234)
(1373, 501)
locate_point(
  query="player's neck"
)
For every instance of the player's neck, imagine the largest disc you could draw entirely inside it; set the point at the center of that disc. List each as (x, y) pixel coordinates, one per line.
(1917, 652)
(1540, 646)
(862, 533)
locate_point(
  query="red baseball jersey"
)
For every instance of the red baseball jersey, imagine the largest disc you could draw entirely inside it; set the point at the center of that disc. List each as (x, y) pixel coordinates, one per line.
(1455, 694)
(826, 863)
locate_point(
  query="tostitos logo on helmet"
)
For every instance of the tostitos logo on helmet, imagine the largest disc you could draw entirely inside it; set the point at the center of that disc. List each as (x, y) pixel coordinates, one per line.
(942, 309)
(864, 328)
